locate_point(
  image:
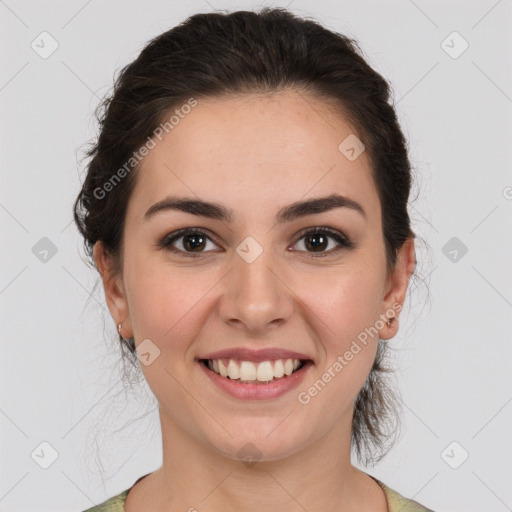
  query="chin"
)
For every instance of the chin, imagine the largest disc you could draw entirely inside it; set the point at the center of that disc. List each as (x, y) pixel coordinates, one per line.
(266, 444)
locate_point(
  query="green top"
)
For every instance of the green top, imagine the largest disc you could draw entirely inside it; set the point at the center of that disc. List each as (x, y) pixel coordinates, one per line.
(396, 502)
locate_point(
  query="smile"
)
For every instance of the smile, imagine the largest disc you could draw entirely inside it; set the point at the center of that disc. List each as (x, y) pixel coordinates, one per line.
(255, 380)
(248, 371)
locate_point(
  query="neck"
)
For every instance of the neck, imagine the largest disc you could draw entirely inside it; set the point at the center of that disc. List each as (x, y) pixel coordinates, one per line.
(195, 476)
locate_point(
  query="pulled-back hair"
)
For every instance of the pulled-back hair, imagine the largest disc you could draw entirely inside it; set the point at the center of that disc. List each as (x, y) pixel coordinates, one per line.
(239, 53)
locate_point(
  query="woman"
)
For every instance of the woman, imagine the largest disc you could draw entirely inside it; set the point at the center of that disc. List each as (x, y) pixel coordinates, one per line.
(246, 207)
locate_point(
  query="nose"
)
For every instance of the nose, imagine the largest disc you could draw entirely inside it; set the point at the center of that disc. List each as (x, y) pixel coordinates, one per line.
(255, 297)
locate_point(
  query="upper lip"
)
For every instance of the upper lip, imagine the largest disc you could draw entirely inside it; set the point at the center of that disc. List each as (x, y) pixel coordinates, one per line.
(247, 354)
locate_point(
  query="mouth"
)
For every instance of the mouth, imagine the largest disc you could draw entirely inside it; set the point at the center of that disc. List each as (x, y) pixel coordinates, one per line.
(255, 372)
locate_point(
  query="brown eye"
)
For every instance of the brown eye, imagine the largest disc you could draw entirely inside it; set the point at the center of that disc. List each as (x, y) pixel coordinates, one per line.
(317, 241)
(192, 241)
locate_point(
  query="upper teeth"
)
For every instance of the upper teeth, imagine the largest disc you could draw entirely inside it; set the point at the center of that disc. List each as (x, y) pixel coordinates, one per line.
(247, 370)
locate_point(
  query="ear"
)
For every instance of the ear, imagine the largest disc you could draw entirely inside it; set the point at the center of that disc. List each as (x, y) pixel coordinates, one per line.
(396, 287)
(114, 290)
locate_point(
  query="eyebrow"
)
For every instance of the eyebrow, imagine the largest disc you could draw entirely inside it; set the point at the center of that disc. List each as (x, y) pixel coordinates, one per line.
(287, 214)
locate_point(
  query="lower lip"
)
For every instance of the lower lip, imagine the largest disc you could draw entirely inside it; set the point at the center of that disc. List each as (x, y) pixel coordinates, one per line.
(261, 391)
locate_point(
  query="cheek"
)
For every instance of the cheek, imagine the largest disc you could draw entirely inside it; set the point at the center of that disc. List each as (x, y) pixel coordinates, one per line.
(347, 301)
(165, 301)
(345, 308)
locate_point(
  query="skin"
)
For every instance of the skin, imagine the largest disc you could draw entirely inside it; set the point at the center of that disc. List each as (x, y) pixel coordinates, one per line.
(255, 154)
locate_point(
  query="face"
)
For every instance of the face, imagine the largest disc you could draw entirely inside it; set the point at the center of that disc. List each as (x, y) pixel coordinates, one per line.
(257, 279)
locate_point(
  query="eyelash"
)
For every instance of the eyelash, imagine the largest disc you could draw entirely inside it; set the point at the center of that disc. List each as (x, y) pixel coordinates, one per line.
(343, 241)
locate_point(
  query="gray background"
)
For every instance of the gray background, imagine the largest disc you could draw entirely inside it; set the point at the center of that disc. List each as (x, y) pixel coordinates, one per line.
(60, 371)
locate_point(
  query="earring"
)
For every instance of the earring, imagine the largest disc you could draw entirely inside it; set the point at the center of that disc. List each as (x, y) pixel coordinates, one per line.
(130, 342)
(389, 323)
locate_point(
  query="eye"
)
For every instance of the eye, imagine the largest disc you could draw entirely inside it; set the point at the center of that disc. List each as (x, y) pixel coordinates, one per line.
(317, 239)
(193, 240)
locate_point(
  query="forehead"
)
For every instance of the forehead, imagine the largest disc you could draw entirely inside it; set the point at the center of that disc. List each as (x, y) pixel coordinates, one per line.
(254, 150)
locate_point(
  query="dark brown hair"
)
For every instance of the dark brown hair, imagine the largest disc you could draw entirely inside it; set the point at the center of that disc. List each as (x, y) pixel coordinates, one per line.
(238, 53)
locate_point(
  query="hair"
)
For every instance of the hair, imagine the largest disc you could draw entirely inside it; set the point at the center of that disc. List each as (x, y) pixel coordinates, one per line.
(245, 53)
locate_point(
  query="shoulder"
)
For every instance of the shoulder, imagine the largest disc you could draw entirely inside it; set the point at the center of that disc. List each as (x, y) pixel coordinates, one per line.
(397, 502)
(114, 504)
